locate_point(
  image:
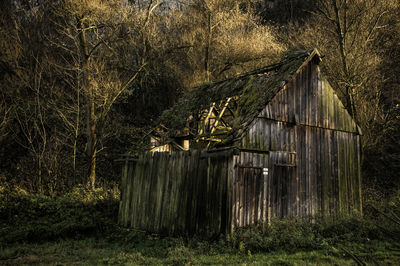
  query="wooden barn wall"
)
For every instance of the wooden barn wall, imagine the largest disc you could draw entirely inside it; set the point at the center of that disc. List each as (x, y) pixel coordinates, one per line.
(177, 193)
(308, 99)
(311, 170)
(314, 151)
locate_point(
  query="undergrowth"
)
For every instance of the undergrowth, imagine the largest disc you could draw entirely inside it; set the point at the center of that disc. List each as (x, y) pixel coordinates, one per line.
(379, 223)
(26, 217)
(81, 215)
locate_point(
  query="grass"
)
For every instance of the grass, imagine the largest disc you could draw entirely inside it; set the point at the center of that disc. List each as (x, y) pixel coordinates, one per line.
(80, 227)
(94, 251)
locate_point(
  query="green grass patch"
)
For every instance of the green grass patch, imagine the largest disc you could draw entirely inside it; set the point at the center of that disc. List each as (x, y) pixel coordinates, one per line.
(156, 251)
(80, 227)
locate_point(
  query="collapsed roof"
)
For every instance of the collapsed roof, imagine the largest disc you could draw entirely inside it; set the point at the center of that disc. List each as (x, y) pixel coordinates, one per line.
(220, 112)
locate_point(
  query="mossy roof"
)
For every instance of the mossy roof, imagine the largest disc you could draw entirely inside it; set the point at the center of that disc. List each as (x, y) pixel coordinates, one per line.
(255, 89)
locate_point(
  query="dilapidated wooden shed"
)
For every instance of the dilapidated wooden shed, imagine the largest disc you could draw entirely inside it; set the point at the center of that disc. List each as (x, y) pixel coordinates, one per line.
(273, 143)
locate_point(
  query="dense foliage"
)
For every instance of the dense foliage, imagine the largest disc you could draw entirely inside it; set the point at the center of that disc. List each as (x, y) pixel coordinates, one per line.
(85, 220)
(85, 81)
(34, 217)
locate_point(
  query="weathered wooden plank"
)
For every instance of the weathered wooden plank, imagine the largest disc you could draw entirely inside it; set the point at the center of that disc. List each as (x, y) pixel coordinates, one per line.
(339, 173)
(159, 189)
(229, 195)
(136, 192)
(152, 193)
(125, 194)
(313, 98)
(348, 172)
(165, 222)
(179, 192)
(225, 212)
(297, 146)
(341, 184)
(308, 95)
(267, 141)
(319, 143)
(132, 199)
(314, 170)
(265, 188)
(325, 165)
(247, 191)
(320, 100)
(221, 213)
(128, 201)
(306, 172)
(140, 191)
(182, 199)
(189, 190)
(239, 189)
(358, 152)
(255, 191)
(297, 100)
(201, 187)
(235, 193)
(285, 95)
(143, 200)
(331, 175)
(218, 175)
(289, 95)
(260, 190)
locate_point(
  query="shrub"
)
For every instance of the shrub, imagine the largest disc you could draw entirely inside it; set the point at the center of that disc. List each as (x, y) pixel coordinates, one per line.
(300, 235)
(279, 235)
(32, 217)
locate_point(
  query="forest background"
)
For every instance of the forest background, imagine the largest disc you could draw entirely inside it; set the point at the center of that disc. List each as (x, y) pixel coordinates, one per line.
(83, 82)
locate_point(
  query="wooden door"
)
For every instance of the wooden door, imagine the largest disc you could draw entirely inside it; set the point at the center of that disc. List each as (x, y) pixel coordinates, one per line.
(283, 185)
(249, 195)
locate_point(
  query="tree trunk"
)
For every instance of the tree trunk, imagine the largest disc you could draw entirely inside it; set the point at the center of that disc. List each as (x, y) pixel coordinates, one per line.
(91, 116)
(341, 30)
(207, 48)
(92, 148)
(39, 178)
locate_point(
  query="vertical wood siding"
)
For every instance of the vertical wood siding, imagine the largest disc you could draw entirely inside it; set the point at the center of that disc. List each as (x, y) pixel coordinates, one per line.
(249, 189)
(307, 121)
(308, 99)
(177, 193)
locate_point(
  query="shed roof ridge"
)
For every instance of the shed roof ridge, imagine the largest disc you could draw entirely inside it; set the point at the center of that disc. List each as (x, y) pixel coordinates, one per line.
(291, 56)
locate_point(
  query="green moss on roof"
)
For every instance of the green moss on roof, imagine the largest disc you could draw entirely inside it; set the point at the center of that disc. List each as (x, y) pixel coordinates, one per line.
(255, 89)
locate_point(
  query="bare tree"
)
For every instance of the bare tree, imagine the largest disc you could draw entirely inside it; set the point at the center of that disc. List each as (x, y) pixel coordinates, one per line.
(99, 31)
(225, 39)
(354, 27)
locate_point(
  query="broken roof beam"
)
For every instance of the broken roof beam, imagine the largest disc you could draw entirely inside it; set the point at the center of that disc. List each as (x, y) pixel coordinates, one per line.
(203, 124)
(217, 114)
(220, 115)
